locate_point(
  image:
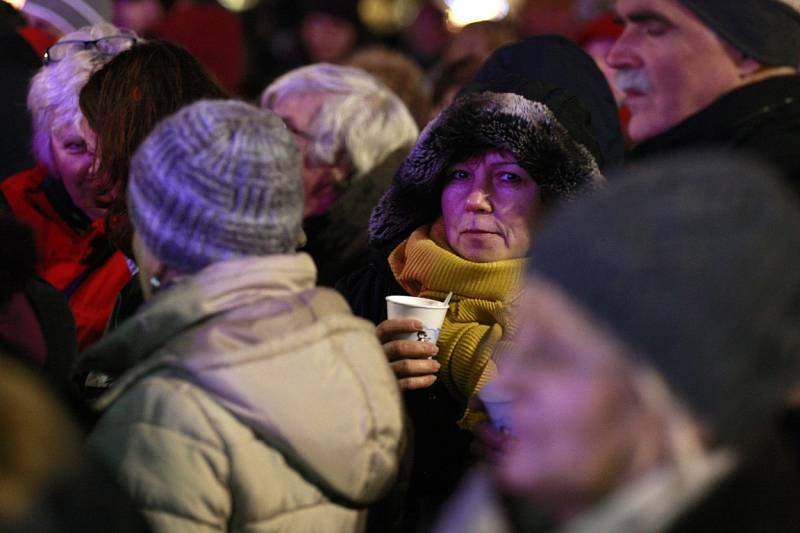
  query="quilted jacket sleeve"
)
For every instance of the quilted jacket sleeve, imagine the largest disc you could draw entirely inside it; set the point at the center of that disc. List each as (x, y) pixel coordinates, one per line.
(166, 452)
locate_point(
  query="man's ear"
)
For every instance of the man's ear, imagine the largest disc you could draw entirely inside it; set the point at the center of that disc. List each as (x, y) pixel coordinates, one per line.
(746, 65)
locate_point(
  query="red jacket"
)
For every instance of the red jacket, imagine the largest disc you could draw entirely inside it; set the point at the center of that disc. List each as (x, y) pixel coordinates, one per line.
(63, 252)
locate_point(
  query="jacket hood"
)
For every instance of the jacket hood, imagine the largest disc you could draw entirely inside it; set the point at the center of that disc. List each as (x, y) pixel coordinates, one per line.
(288, 360)
(474, 122)
(578, 95)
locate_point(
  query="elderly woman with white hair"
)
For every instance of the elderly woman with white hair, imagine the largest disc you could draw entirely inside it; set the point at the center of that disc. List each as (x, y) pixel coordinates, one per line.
(57, 198)
(353, 133)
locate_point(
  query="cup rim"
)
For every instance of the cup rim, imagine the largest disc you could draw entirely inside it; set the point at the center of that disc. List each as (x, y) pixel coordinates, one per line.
(415, 301)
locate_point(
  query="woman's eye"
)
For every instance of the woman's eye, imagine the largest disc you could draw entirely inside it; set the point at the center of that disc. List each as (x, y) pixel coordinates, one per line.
(510, 177)
(75, 148)
(655, 28)
(456, 175)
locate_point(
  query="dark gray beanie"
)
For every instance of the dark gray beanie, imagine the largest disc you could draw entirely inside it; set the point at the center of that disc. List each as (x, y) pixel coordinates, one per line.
(217, 180)
(694, 262)
(765, 30)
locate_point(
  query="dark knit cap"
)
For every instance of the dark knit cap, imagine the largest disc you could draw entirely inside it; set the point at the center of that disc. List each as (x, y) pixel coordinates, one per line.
(577, 92)
(217, 180)
(694, 262)
(474, 123)
(765, 30)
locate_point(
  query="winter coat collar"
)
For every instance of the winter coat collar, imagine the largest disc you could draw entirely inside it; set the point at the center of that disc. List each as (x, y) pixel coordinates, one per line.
(732, 118)
(213, 291)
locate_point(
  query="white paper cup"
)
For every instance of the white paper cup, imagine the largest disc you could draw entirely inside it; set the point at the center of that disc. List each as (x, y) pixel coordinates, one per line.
(498, 404)
(430, 312)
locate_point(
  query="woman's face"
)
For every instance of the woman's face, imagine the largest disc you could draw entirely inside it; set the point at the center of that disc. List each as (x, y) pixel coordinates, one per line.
(575, 421)
(489, 204)
(72, 161)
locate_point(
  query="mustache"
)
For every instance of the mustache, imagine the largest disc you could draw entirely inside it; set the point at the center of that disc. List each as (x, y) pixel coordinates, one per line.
(632, 80)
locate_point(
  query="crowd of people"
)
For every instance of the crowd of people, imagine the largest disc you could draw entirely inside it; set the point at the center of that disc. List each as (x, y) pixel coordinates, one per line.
(194, 332)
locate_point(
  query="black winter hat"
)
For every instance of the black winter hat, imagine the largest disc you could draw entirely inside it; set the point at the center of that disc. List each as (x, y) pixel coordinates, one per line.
(577, 92)
(694, 262)
(765, 30)
(475, 122)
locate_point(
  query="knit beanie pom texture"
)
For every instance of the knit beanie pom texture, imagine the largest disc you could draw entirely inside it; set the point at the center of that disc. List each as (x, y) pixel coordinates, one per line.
(215, 181)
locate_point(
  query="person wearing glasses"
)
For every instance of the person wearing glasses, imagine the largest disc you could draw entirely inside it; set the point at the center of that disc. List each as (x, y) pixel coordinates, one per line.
(57, 198)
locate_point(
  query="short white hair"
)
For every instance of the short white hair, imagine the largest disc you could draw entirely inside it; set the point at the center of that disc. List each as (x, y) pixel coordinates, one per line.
(358, 113)
(53, 98)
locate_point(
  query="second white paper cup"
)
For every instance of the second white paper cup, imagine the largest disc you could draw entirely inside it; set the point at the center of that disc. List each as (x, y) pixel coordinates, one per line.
(430, 312)
(498, 404)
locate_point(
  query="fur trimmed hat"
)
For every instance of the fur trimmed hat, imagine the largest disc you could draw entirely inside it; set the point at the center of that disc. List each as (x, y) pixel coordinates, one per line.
(765, 30)
(217, 180)
(473, 123)
(691, 260)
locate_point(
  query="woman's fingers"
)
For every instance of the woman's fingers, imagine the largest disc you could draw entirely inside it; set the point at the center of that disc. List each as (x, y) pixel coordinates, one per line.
(391, 328)
(414, 367)
(396, 350)
(420, 382)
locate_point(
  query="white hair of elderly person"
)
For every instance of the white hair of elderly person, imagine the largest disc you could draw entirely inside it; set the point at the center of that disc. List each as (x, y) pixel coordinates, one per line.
(353, 133)
(55, 89)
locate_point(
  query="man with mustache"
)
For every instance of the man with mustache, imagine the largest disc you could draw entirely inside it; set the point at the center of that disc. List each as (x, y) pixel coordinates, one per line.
(712, 72)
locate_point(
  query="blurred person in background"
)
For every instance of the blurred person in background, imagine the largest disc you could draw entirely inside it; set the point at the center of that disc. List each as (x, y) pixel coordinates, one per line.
(212, 34)
(18, 63)
(657, 351)
(478, 39)
(353, 133)
(330, 29)
(258, 402)
(401, 74)
(48, 482)
(58, 198)
(546, 17)
(427, 35)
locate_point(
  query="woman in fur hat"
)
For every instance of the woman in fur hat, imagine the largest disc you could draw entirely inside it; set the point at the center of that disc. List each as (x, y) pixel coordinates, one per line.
(458, 219)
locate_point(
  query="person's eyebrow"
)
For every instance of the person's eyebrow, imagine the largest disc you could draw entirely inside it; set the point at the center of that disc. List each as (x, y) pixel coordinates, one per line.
(642, 16)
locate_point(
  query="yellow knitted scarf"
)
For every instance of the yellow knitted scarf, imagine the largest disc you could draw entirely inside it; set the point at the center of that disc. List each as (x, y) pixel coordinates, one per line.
(479, 319)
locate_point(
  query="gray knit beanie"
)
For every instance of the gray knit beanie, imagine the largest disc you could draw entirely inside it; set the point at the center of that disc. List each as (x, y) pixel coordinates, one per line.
(70, 15)
(694, 262)
(217, 180)
(765, 30)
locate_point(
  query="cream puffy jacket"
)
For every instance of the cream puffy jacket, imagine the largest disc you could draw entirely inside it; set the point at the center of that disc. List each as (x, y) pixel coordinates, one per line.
(260, 404)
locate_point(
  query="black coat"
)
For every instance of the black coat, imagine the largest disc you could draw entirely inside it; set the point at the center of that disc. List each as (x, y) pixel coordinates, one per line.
(762, 118)
(337, 240)
(441, 449)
